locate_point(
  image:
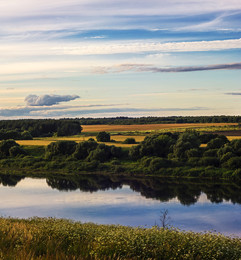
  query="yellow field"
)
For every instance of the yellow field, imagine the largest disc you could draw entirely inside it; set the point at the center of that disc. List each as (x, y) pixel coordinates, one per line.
(46, 141)
(149, 127)
(230, 138)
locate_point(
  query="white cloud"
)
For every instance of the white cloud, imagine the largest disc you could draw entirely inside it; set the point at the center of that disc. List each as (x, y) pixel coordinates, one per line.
(48, 100)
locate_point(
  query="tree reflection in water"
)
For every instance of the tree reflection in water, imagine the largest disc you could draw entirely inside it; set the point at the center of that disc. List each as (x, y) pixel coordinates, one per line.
(162, 189)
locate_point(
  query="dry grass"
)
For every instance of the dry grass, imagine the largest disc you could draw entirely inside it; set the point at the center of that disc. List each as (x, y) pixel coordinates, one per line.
(230, 138)
(47, 141)
(148, 127)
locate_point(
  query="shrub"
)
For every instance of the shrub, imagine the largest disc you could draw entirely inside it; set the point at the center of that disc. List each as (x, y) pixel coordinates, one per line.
(130, 140)
(194, 152)
(5, 146)
(16, 151)
(237, 174)
(116, 151)
(194, 161)
(102, 153)
(210, 153)
(103, 137)
(60, 148)
(209, 161)
(157, 163)
(156, 145)
(84, 148)
(226, 157)
(217, 142)
(26, 136)
(134, 152)
(234, 162)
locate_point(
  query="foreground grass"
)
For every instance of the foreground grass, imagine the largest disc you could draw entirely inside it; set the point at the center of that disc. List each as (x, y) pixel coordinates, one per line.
(49, 238)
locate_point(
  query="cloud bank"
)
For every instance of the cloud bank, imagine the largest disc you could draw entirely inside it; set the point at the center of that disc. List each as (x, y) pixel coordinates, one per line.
(48, 100)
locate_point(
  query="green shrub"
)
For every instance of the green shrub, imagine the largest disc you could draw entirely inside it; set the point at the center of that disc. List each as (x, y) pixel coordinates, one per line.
(6, 145)
(234, 162)
(158, 163)
(134, 153)
(130, 140)
(210, 153)
(60, 148)
(102, 153)
(103, 137)
(16, 151)
(84, 148)
(209, 161)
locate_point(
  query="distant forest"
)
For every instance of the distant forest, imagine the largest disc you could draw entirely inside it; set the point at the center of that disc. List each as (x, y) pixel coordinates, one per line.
(20, 129)
(159, 120)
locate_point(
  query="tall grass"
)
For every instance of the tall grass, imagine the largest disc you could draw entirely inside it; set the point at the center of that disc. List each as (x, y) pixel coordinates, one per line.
(50, 238)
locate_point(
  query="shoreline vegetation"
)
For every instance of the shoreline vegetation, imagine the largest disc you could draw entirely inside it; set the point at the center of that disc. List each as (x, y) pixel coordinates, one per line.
(170, 154)
(49, 238)
(48, 147)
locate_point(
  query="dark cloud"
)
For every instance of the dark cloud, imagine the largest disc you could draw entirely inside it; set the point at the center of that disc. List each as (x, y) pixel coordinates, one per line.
(48, 100)
(234, 93)
(72, 111)
(150, 68)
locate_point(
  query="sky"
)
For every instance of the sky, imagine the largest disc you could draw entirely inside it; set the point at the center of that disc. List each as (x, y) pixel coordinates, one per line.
(102, 58)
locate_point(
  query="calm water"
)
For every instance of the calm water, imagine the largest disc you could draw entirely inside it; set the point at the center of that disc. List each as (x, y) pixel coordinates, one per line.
(135, 202)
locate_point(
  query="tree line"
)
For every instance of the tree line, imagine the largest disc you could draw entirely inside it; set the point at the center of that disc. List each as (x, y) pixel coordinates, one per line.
(159, 120)
(154, 155)
(28, 128)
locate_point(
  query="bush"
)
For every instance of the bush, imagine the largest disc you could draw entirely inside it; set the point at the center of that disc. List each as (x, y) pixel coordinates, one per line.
(5, 147)
(210, 153)
(194, 161)
(226, 157)
(116, 151)
(84, 148)
(217, 142)
(103, 137)
(26, 136)
(195, 152)
(234, 162)
(130, 141)
(209, 161)
(157, 163)
(237, 174)
(60, 148)
(134, 152)
(156, 145)
(16, 151)
(102, 153)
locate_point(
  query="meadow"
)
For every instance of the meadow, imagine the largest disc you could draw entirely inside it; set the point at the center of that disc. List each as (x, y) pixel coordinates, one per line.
(50, 238)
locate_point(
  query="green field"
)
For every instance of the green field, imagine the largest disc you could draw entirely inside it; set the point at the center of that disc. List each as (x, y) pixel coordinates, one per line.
(62, 239)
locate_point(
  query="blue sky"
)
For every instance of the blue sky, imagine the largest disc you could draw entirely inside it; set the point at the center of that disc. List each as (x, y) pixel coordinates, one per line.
(110, 58)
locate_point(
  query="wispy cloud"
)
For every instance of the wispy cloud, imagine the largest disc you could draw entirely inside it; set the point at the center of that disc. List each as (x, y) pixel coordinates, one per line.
(48, 100)
(78, 111)
(150, 68)
(234, 93)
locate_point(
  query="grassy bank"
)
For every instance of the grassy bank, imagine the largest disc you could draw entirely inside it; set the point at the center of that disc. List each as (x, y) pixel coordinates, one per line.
(62, 239)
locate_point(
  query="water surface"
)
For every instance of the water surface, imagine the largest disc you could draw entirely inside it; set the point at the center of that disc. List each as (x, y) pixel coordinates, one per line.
(192, 205)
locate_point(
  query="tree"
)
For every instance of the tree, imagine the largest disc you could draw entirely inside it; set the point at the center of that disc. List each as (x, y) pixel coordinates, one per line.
(103, 137)
(60, 148)
(130, 140)
(6, 145)
(84, 148)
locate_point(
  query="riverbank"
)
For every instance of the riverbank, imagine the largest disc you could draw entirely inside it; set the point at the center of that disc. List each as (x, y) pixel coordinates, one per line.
(50, 238)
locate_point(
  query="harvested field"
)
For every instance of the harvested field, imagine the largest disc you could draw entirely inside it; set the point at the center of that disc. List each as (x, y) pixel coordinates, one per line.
(47, 142)
(150, 127)
(230, 138)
